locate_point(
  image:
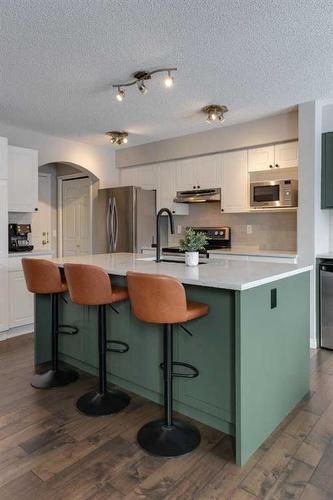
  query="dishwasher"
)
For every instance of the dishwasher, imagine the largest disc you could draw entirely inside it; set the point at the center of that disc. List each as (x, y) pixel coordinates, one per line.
(326, 304)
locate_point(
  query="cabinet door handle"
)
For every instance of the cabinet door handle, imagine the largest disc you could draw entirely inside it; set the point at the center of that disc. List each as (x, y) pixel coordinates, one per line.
(193, 187)
(277, 165)
(198, 187)
(271, 166)
(222, 209)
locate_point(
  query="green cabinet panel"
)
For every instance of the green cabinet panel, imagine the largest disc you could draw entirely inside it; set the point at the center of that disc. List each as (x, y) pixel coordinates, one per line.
(272, 358)
(210, 350)
(327, 171)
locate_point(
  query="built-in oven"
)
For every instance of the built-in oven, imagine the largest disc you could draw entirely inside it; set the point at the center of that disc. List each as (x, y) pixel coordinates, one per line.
(281, 193)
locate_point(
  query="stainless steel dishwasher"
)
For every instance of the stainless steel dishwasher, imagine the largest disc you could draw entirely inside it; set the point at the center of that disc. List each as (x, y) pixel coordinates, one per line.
(326, 304)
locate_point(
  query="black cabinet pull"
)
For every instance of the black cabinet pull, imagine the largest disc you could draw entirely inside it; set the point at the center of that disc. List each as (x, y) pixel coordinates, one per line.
(277, 166)
(271, 166)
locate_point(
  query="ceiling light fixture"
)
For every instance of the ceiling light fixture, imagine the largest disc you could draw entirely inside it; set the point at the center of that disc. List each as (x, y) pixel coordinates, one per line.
(118, 138)
(139, 79)
(120, 94)
(168, 81)
(215, 112)
(142, 87)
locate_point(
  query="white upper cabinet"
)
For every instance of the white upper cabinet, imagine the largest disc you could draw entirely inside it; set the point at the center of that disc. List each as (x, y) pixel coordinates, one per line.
(286, 155)
(167, 190)
(144, 177)
(279, 156)
(3, 158)
(186, 175)
(260, 158)
(234, 193)
(198, 173)
(22, 179)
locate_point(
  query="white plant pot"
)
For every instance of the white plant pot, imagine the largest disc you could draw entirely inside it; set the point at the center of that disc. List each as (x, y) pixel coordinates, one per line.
(191, 258)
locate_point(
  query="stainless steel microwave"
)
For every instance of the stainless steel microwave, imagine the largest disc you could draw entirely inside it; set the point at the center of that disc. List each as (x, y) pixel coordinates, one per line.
(274, 193)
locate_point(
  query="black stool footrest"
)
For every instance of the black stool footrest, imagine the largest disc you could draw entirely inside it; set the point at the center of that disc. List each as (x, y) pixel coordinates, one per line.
(118, 342)
(68, 330)
(194, 374)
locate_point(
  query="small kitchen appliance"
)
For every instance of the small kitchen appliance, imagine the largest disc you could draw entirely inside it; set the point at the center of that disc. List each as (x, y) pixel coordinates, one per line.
(276, 193)
(18, 238)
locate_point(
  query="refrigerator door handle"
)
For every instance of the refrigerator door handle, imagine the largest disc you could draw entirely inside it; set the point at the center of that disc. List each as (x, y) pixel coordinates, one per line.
(108, 224)
(116, 224)
(113, 239)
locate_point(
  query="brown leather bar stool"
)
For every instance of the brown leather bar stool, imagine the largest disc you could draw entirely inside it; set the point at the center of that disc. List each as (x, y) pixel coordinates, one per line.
(162, 300)
(91, 286)
(44, 277)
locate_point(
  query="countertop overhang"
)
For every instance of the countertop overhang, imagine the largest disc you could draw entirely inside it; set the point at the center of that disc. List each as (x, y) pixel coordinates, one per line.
(225, 273)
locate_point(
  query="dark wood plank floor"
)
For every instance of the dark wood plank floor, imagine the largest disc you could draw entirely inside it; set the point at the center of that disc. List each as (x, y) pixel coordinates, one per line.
(49, 451)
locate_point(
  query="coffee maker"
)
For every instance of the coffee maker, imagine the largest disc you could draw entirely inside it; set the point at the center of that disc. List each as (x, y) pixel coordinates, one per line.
(18, 238)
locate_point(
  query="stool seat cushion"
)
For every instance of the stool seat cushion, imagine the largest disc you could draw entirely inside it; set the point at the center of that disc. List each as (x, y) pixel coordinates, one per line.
(119, 293)
(91, 285)
(43, 276)
(161, 299)
(196, 310)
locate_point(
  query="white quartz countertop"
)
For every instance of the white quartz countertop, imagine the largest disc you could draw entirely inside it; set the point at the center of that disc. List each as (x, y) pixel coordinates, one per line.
(225, 273)
(29, 254)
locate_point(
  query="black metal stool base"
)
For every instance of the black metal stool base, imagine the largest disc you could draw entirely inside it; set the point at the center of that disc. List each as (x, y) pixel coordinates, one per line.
(96, 404)
(174, 441)
(53, 378)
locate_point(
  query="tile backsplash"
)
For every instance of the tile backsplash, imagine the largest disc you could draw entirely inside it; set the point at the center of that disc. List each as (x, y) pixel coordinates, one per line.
(270, 231)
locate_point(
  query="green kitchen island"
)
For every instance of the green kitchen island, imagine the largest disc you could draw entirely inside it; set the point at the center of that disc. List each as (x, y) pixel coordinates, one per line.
(252, 350)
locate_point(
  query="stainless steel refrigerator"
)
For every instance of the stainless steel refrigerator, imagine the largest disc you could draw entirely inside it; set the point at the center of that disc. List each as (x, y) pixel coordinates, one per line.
(123, 219)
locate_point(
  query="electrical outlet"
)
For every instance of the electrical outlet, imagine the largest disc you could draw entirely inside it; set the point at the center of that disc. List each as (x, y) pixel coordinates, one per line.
(179, 229)
(249, 229)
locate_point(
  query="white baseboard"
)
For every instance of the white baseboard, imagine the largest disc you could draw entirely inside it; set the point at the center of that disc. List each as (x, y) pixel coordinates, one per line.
(313, 344)
(15, 332)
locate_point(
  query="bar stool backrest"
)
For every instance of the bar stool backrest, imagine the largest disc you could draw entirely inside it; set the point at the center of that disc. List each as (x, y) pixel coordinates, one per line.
(157, 298)
(42, 276)
(88, 285)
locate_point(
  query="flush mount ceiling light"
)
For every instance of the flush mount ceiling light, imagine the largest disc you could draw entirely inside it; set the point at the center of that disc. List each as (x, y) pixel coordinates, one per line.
(215, 112)
(140, 78)
(118, 138)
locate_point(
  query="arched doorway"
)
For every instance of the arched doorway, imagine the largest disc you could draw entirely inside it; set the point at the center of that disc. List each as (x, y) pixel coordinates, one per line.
(62, 224)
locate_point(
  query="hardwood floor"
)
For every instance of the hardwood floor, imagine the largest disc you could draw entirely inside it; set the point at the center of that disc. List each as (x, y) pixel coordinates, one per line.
(49, 451)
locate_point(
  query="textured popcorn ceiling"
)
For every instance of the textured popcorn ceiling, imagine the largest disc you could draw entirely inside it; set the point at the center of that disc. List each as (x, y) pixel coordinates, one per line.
(58, 59)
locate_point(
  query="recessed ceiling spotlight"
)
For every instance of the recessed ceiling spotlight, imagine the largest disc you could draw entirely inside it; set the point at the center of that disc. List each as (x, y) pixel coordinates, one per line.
(118, 138)
(120, 94)
(139, 79)
(215, 112)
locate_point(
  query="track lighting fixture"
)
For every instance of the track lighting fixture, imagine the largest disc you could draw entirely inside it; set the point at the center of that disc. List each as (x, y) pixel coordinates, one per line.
(168, 81)
(118, 138)
(142, 88)
(120, 94)
(215, 112)
(139, 79)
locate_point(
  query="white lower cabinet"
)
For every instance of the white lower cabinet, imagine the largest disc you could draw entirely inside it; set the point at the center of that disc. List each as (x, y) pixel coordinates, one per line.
(21, 301)
(3, 294)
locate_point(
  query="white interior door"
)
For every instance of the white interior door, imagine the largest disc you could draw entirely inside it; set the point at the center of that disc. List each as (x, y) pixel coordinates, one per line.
(41, 220)
(76, 217)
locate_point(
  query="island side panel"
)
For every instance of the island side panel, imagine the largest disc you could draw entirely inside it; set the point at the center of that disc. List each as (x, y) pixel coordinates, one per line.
(272, 358)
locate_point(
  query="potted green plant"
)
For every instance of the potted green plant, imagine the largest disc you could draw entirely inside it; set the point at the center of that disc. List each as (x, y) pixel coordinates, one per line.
(193, 242)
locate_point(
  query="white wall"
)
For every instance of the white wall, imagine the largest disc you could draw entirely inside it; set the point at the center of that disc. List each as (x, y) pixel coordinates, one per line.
(313, 223)
(98, 160)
